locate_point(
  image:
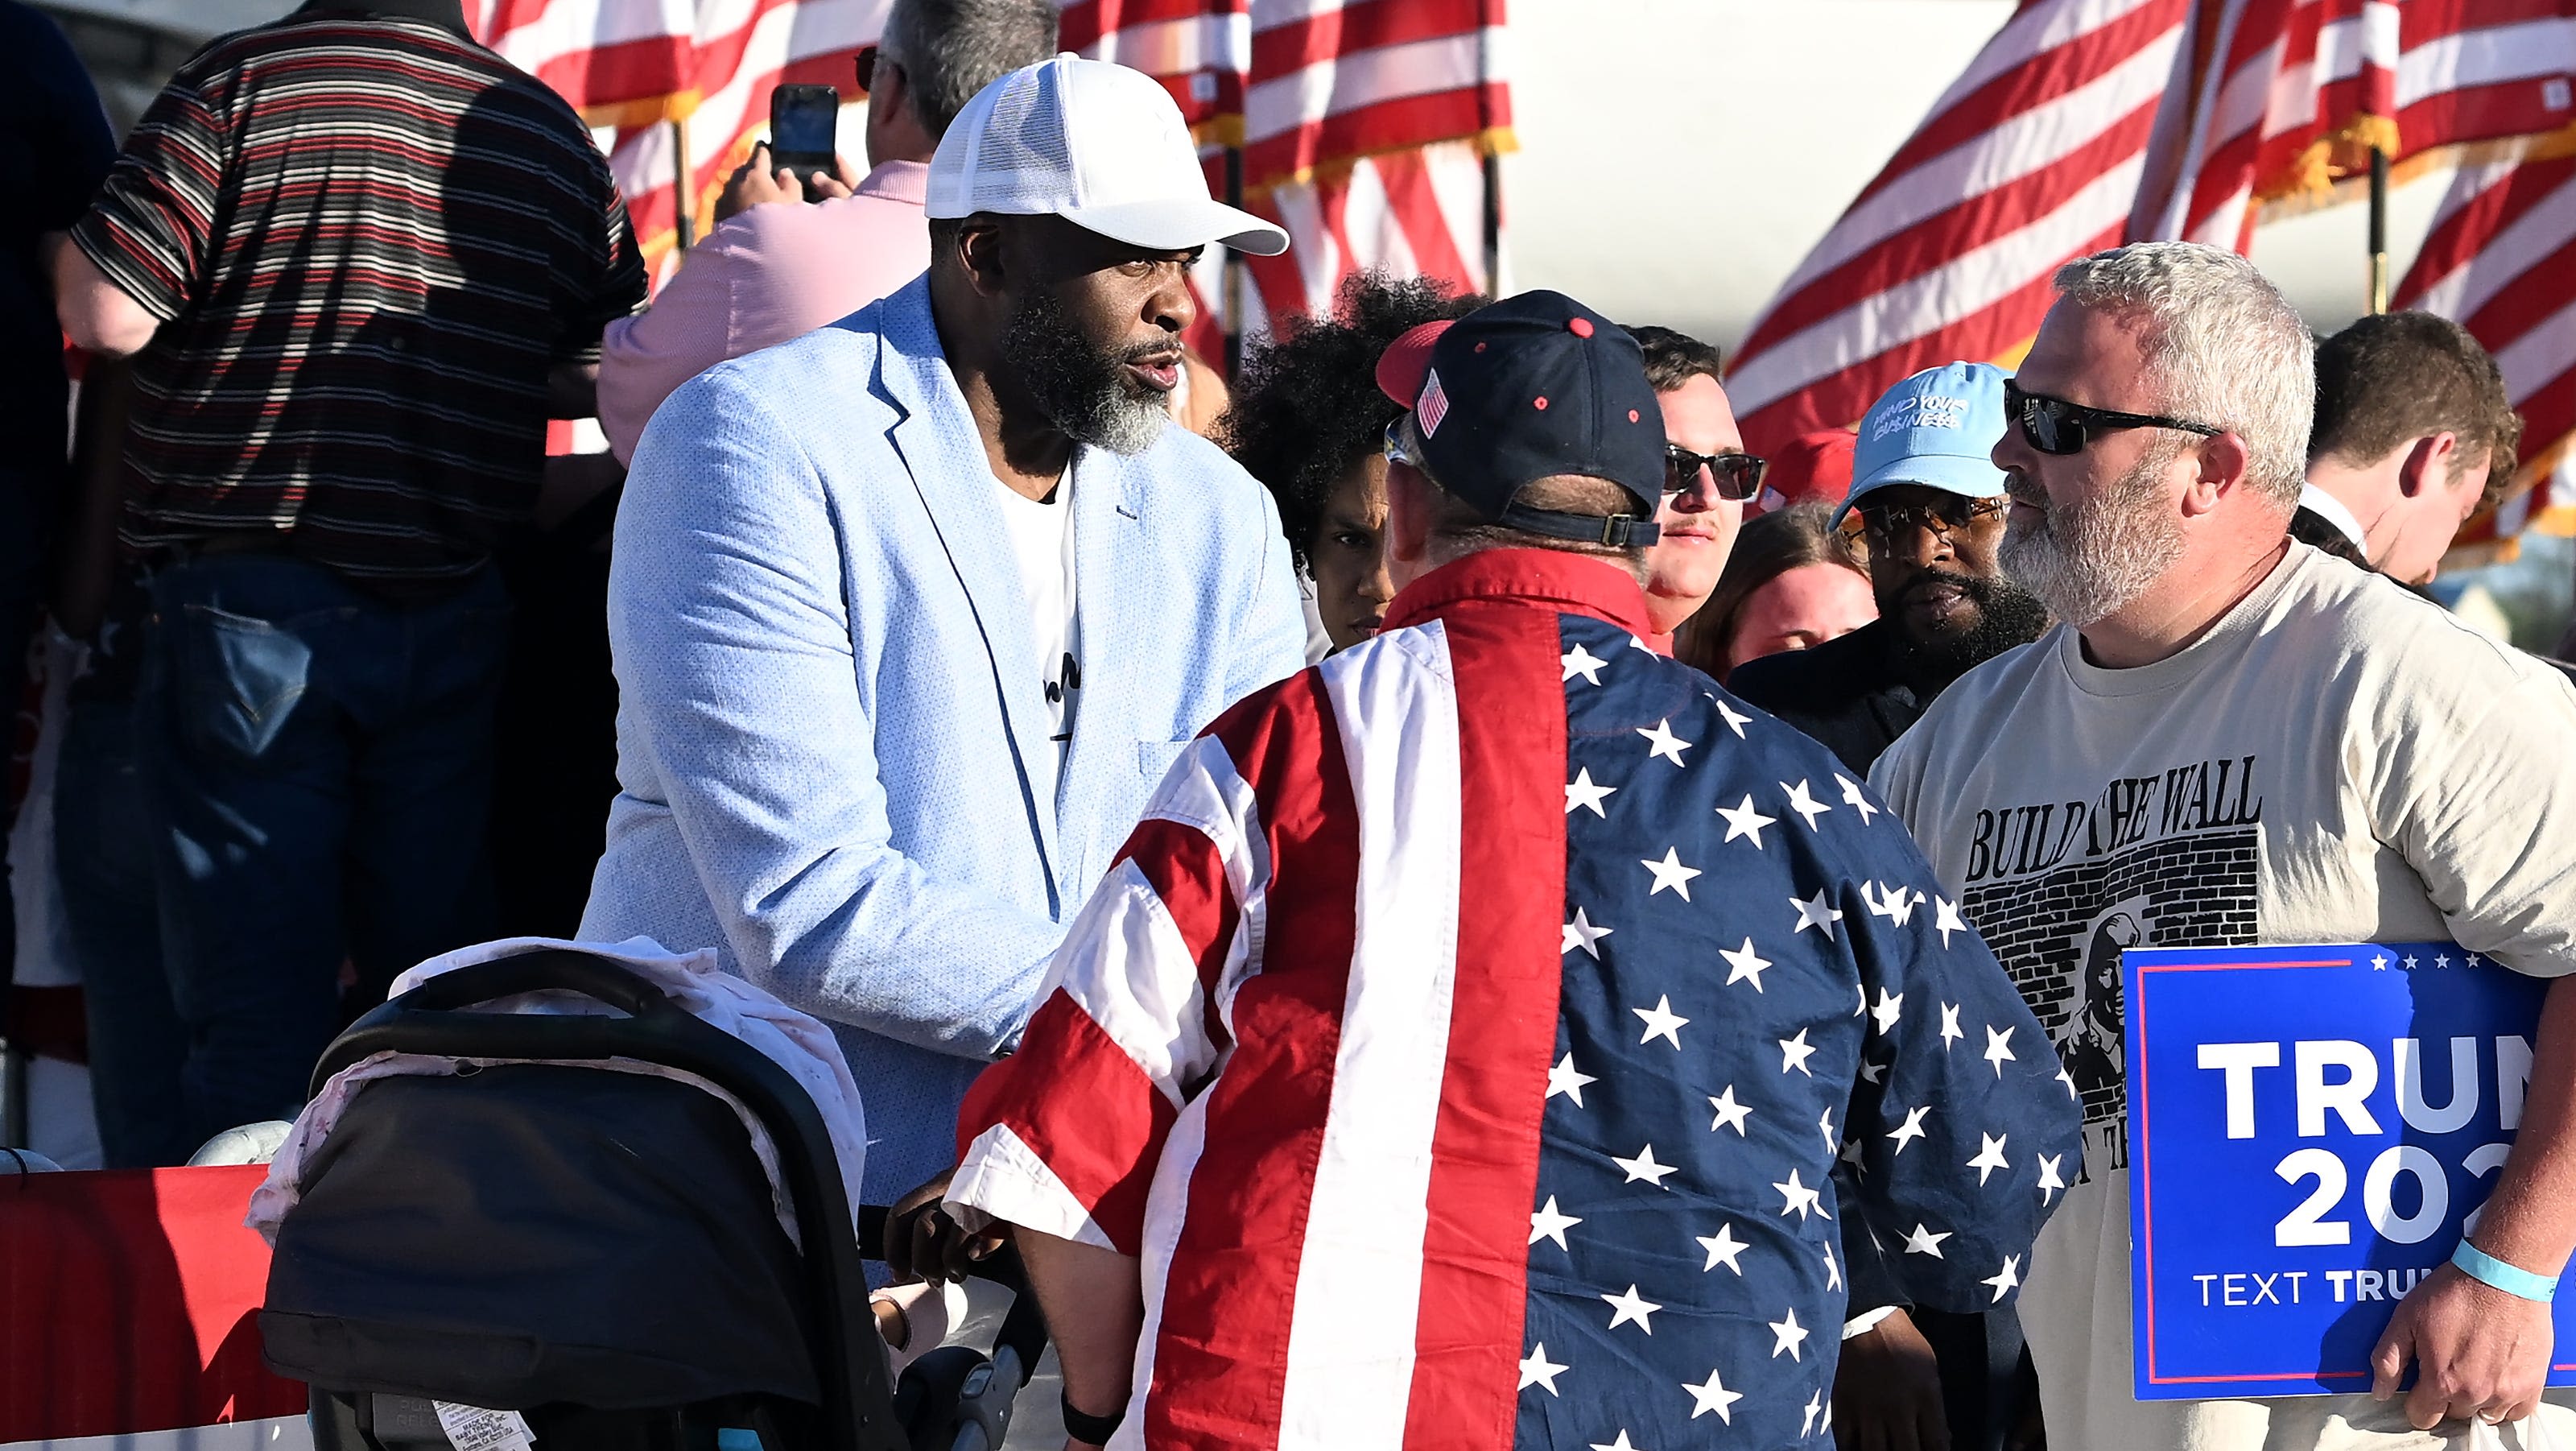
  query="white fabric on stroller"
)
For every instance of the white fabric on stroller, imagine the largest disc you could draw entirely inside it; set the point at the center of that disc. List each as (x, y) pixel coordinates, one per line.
(795, 1041)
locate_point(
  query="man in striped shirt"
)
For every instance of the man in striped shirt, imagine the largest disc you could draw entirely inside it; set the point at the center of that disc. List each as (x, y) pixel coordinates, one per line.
(358, 261)
(1464, 1048)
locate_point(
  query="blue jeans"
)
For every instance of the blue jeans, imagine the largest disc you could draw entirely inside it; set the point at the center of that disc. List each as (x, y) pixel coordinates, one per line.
(103, 859)
(319, 763)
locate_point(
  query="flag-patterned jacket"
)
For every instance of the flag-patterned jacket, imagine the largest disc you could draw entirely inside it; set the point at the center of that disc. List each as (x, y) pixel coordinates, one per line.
(1467, 1039)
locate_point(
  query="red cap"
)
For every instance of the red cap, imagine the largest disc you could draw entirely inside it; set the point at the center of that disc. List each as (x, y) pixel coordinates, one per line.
(1814, 468)
(1407, 361)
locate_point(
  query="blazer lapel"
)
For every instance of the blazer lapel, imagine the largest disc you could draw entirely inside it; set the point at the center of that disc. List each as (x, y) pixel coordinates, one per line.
(1116, 613)
(939, 446)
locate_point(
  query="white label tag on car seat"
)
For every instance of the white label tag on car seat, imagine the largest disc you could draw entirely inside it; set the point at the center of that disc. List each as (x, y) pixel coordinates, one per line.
(472, 1428)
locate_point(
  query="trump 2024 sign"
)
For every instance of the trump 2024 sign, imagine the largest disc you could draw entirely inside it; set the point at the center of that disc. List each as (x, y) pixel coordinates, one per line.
(2310, 1130)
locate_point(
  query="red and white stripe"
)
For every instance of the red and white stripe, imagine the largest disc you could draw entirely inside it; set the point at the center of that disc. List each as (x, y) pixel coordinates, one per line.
(723, 56)
(2031, 158)
(1335, 80)
(1310, 1013)
(1362, 127)
(1365, 128)
(1199, 49)
(1416, 213)
(746, 48)
(2285, 81)
(2501, 262)
(617, 61)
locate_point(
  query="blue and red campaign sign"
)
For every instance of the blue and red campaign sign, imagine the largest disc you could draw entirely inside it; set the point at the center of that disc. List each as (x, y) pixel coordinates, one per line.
(2310, 1130)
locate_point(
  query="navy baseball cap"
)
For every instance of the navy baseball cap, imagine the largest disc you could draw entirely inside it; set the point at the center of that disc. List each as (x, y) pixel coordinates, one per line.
(1529, 388)
(1938, 428)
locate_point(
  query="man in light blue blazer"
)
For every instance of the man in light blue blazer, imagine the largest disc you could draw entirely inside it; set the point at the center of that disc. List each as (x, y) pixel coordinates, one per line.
(911, 613)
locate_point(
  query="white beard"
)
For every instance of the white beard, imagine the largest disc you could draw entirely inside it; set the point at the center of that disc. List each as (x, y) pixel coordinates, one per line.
(1127, 426)
(2088, 562)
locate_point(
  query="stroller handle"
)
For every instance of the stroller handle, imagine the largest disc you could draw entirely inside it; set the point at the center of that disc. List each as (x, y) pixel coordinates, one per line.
(429, 1019)
(524, 972)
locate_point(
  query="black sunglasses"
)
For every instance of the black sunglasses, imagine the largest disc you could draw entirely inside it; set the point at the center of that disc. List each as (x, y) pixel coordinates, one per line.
(1738, 475)
(868, 58)
(1885, 522)
(2055, 426)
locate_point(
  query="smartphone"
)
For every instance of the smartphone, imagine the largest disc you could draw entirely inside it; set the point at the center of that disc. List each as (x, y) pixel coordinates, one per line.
(804, 122)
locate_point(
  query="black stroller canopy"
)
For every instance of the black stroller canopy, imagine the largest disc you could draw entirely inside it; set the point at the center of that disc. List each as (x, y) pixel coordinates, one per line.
(600, 1249)
(642, 1262)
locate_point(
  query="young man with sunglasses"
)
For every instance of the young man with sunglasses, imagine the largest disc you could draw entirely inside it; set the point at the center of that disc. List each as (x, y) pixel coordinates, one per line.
(771, 270)
(1707, 478)
(1930, 504)
(2232, 739)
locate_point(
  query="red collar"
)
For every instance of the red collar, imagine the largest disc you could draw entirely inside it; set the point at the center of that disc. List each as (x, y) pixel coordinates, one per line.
(1569, 582)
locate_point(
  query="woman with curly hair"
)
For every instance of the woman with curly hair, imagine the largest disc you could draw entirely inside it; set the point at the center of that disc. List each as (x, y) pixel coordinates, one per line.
(1309, 422)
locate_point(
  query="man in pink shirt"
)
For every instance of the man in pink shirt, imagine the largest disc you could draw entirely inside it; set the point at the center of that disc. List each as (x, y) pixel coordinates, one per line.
(776, 268)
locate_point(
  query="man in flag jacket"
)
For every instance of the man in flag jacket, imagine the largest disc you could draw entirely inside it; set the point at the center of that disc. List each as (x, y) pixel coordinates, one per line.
(1462, 1047)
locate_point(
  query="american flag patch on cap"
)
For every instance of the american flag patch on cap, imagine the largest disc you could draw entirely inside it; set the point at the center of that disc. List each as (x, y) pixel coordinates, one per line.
(1432, 406)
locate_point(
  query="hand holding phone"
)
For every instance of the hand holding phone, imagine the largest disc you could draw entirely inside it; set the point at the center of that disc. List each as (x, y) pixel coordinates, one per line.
(804, 125)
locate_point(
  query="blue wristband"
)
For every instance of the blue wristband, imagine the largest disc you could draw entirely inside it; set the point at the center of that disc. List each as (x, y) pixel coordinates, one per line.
(2487, 1270)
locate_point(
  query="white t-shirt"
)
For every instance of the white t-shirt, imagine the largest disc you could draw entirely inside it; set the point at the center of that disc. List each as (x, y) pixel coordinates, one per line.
(1041, 534)
(2335, 761)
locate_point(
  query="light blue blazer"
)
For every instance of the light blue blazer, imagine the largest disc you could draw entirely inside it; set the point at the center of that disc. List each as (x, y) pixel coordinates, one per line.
(829, 700)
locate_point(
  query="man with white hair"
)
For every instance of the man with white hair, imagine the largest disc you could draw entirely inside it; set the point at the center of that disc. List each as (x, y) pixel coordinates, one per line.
(2232, 739)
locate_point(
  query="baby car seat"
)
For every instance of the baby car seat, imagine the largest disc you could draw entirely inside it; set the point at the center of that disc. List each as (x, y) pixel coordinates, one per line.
(597, 1252)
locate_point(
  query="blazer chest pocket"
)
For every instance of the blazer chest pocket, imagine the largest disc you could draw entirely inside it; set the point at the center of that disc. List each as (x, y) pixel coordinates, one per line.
(1154, 758)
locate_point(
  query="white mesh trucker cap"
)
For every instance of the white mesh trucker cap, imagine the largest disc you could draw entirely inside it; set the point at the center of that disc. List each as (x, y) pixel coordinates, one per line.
(1097, 144)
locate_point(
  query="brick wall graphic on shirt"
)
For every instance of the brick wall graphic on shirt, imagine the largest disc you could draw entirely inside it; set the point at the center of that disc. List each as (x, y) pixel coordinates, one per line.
(2060, 888)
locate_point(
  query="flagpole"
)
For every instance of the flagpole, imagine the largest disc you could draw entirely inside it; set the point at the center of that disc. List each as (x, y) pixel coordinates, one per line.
(1493, 225)
(1233, 270)
(687, 223)
(2378, 229)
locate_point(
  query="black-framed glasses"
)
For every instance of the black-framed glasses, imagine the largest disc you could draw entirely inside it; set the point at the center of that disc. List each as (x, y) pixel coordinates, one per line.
(1887, 522)
(2055, 426)
(869, 56)
(1738, 476)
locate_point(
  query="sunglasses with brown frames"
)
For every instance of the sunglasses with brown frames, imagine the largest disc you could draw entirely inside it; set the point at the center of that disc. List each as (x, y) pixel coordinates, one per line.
(1884, 522)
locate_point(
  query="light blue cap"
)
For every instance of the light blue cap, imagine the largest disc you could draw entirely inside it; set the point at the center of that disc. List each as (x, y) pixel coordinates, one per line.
(1937, 428)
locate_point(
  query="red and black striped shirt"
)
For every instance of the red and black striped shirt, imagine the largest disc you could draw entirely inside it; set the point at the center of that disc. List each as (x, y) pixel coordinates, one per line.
(369, 240)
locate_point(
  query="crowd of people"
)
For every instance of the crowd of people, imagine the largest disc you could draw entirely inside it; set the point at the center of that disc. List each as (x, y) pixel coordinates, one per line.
(1155, 779)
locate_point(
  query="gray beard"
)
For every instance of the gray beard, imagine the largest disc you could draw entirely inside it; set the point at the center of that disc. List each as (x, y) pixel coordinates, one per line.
(1080, 389)
(2088, 562)
(1122, 425)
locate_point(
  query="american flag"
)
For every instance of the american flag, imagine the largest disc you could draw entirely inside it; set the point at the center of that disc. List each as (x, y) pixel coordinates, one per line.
(2501, 262)
(2087, 122)
(706, 64)
(1361, 126)
(2032, 157)
(2286, 96)
(616, 62)
(1470, 1036)
(1417, 212)
(1198, 49)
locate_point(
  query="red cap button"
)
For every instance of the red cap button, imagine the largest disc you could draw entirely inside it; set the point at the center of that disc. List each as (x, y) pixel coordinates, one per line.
(1581, 327)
